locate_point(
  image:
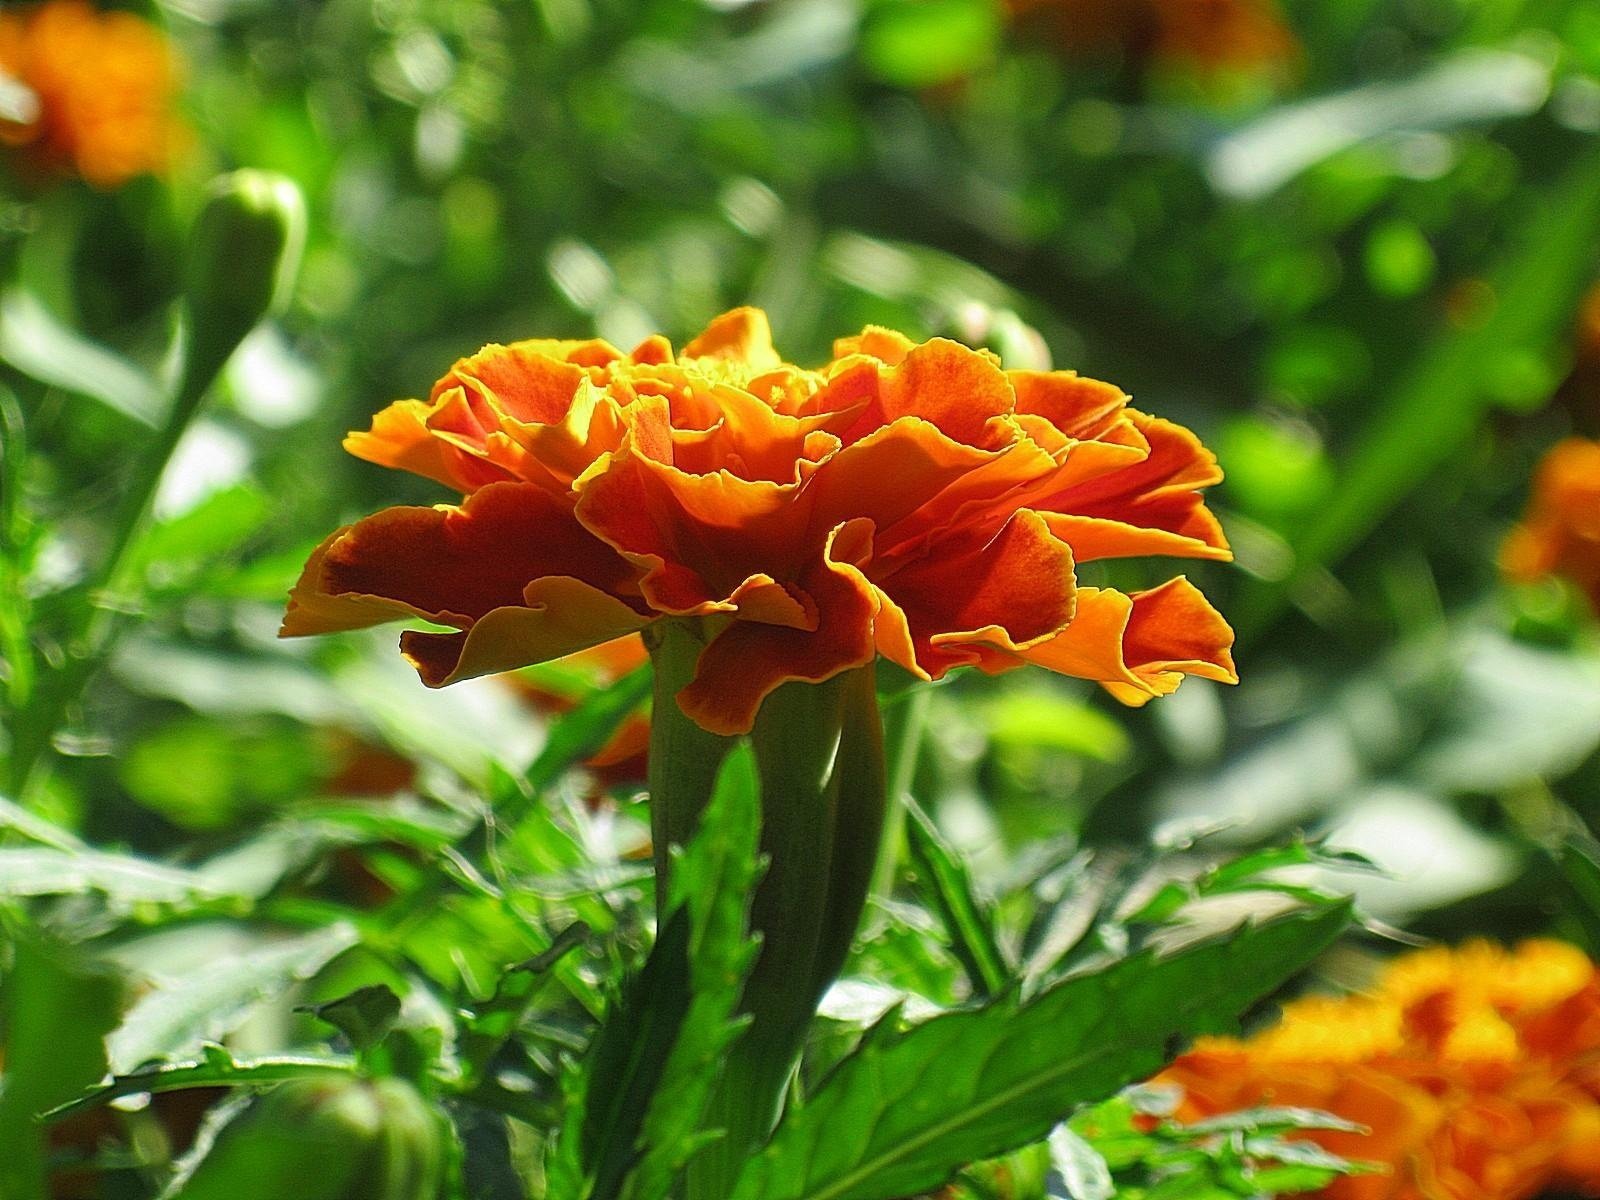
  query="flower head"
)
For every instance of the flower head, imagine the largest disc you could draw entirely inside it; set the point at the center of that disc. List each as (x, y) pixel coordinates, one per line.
(1560, 532)
(1473, 1069)
(909, 500)
(89, 91)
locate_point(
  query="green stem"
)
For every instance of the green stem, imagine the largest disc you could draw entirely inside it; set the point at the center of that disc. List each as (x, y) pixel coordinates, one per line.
(684, 759)
(819, 752)
(904, 724)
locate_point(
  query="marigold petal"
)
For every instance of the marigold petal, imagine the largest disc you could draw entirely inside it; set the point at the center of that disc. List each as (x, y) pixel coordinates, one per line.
(452, 565)
(1005, 594)
(697, 538)
(1156, 501)
(514, 381)
(1081, 408)
(559, 615)
(955, 388)
(746, 662)
(1141, 646)
(743, 335)
(400, 438)
(886, 345)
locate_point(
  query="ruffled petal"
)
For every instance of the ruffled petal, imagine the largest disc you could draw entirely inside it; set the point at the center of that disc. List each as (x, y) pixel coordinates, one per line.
(555, 616)
(696, 538)
(514, 381)
(962, 392)
(743, 335)
(979, 603)
(1140, 646)
(400, 438)
(452, 565)
(746, 662)
(1152, 506)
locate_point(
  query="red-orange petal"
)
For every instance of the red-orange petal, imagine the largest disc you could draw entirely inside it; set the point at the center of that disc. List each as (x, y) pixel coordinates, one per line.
(1153, 506)
(970, 598)
(1141, 646)
(400, 438)
(452, 565)
(746, 662)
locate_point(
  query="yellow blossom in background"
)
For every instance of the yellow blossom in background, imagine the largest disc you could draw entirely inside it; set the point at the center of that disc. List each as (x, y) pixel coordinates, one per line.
(1475, 1069)
(1560, 532)
(88, 92)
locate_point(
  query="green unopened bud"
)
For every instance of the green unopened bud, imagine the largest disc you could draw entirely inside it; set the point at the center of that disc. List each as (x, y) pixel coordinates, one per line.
(326, 1139)
(243, 256)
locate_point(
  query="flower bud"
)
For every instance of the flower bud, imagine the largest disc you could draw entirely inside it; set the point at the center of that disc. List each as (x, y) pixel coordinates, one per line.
(326, 1139)
(244, 252)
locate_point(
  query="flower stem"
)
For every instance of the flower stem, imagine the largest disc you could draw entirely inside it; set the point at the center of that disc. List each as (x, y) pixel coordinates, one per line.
(819, 752)
(684, 759)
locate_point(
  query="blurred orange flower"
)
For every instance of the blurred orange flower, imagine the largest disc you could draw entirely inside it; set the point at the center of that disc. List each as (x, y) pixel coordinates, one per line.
(1476, 1071)
(1205, 34)
(88, 91)
(623, 759)
(1560, 531)
(914, 501)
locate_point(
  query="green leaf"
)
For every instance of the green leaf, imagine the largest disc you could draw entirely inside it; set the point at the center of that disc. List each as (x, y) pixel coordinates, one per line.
(365, 1016)
(637, 1097)
(34, 342)
(180, 1015)
(586, 728)
(124, 880)
(945, 883)
(215, 1068)
(906, 1110)
(55, 1009)
(1579, 859)
(216, 525)
(922, 43)
(36, 828)
(490, 1023)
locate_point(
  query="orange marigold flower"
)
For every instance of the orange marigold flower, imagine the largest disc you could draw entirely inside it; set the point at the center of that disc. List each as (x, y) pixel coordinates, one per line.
(89, 91)
(1560, 532)
(1473, 1070)
(909, 500)
(1205, 34)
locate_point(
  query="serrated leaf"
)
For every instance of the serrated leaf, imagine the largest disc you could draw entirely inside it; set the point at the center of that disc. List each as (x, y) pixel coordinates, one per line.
(215, 1068)
(490, 1023)
(123, 879)
(182, 1014)
(906, 1110)
(946, 884)
(636, 1100)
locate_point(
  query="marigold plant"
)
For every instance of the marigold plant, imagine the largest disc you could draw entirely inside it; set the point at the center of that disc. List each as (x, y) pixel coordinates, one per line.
(98, 90)
(1560, 532)
(1476, 1071)
(913, 501)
